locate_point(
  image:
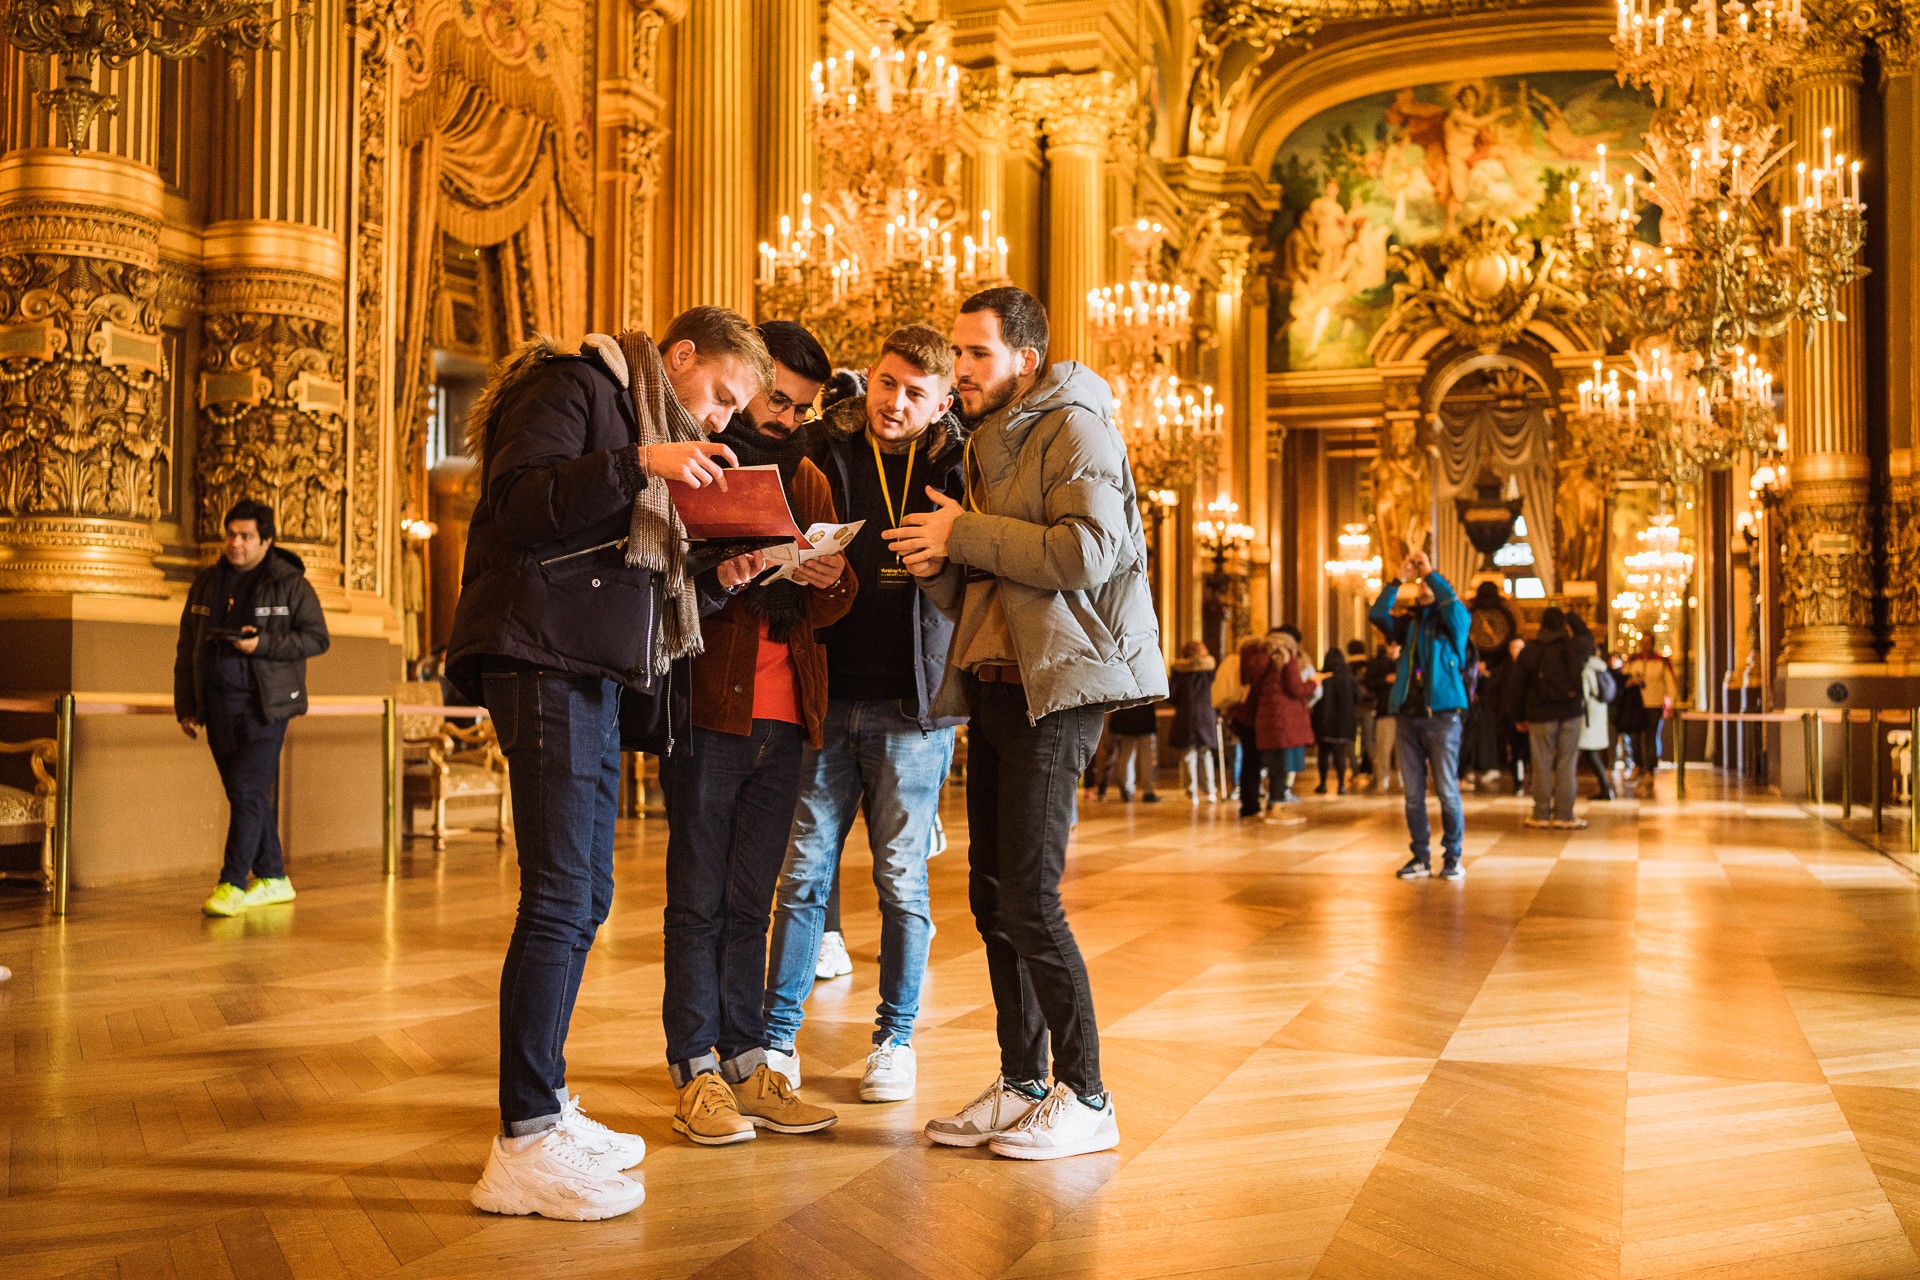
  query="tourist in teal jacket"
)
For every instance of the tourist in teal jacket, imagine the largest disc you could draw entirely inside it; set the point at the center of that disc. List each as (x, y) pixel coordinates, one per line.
(1430, 703)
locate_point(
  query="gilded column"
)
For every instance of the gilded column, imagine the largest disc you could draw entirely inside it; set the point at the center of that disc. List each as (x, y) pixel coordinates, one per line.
(85, 432)
(272, 375)
(1827, 549)
(986, 96)
(1900, 223)
(787, 40)
(715, 179)
(1078, 115)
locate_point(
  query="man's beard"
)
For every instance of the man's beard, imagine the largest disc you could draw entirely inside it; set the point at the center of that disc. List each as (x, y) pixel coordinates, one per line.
(745, 422)
(996, 396)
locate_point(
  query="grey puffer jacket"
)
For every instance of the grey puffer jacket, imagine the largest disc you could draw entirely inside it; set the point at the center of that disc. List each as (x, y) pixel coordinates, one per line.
(1059, 526)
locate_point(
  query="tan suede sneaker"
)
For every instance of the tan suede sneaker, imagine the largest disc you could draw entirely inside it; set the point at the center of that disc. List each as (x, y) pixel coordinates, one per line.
(707, 1114)
(769, 1102)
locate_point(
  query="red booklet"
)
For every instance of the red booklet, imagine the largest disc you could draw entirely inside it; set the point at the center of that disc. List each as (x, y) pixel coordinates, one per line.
(753, 505)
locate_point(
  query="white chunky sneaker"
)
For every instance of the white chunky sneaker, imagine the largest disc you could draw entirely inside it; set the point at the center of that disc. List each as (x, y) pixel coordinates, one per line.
(890, 1073)
(1062, 1125)
(612, 1148)
(1000, 1108)
(834, 962)
(555, 1177)
(786, 1064)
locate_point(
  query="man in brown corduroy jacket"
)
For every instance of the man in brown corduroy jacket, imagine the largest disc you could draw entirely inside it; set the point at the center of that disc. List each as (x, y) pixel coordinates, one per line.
(759, 690)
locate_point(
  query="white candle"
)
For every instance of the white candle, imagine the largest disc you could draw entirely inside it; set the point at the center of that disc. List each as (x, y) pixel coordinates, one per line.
(1786, 226)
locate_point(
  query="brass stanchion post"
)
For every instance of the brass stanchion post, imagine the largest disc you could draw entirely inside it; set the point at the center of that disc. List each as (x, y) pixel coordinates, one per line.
(63, 802)
(1873, 770)
(1679, 754)
(390, 757)
(1819, 760)
(1806, 750)
(1913, 791)
(1846, 763)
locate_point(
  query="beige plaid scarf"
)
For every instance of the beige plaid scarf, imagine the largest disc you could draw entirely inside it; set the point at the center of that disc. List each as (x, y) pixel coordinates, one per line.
(656, 540)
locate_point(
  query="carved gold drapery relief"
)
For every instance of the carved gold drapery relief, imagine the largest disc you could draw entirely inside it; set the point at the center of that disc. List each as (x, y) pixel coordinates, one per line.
(1903, 564)
(273, 408)
(84, 456)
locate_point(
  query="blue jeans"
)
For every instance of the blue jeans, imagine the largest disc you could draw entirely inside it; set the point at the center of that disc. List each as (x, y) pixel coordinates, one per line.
(730, 801)
(873, 758)
(1432, 741)
(561, 737)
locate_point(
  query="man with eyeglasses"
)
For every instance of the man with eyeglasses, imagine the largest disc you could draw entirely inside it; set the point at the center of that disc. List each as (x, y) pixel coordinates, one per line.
(759, 694)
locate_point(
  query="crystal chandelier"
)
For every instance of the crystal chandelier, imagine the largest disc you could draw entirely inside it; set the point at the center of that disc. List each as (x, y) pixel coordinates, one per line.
(77, 34)
(1657, 576)
(1727, 272)
(886, 244)
(1668, 423)
(1172, 427)
(1357, 569)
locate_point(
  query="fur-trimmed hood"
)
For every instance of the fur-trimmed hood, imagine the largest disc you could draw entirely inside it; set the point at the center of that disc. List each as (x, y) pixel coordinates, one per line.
(848, 419)
(1202, 663)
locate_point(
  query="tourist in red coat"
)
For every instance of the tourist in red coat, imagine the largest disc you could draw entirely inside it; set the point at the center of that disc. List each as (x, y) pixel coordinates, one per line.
(1278, 698)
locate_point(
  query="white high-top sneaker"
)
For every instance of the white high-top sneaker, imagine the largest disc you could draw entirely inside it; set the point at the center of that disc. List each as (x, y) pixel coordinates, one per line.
(786, 1064)
(1062, 1125)
(612, 1148)
(890, 1073)
(999, 1108)
(555, 1177)
(833, 960)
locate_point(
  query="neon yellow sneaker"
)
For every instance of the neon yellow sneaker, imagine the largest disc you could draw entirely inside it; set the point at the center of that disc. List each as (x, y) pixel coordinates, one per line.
(227, 900)
(265, 893)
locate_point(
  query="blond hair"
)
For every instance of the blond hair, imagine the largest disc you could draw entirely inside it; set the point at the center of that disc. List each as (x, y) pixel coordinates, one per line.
(718, 333)
(923, 347)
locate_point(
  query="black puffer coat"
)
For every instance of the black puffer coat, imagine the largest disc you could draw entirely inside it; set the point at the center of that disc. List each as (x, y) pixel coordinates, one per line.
(1195, 722)
(293, 628)
(1334, 716)
(546, 582)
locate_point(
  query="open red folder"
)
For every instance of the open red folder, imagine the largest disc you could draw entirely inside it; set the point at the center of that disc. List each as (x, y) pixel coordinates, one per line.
(752, 506)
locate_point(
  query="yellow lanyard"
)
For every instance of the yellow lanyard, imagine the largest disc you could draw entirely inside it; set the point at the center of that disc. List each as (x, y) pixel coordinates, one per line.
(966, 476)
(906, 485)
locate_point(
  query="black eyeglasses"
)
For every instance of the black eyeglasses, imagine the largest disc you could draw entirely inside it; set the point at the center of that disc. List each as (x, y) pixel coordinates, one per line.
(780, 401)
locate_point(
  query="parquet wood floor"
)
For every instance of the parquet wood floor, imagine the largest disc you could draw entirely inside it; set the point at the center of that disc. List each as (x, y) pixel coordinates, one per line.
(1685, 1042)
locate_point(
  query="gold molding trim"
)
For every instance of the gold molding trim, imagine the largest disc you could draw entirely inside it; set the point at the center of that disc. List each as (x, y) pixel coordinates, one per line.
(255, 244)
(91, 179)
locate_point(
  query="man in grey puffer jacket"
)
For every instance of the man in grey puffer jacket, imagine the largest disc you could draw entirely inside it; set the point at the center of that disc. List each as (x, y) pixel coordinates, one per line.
(1044, 569)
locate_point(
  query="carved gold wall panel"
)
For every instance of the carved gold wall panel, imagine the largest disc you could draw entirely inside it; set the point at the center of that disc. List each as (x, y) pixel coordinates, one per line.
(1827, 573)
(273, 408)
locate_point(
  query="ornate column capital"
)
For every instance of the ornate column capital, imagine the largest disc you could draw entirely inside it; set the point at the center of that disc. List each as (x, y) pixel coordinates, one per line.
(1837, 34)
(273, 405)
(988, 104)
(85, 453)
(1077, 109)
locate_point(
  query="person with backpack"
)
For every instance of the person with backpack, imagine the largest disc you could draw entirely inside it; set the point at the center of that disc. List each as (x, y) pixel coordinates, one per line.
(1596, 686)
(1546, 695)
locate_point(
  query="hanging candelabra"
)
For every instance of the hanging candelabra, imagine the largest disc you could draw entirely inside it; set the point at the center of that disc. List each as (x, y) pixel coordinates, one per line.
(1664, 422)
(1727, 272)
(1657, 578)
(77, 35)
(1172, 427)
(886, 243)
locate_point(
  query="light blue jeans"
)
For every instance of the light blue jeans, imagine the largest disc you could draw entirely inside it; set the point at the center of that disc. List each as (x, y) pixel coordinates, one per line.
(872, 759)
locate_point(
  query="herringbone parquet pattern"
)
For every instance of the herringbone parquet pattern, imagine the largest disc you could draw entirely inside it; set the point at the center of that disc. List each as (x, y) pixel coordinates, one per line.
(1685, 1042)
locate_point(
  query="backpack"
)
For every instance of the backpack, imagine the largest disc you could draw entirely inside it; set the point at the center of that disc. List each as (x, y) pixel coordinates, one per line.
(1603, 686)
(1557, 679)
